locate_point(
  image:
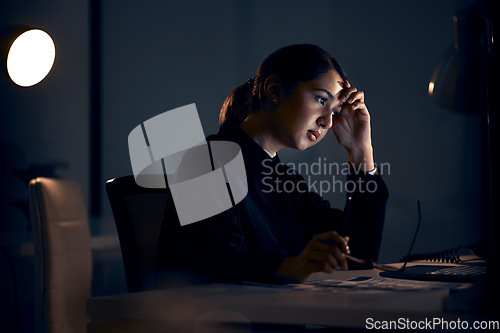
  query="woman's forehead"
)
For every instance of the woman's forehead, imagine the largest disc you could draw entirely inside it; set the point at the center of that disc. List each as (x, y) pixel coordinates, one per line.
(329, 81)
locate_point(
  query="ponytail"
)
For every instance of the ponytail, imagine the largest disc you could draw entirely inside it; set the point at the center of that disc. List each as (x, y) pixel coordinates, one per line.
(237, 105)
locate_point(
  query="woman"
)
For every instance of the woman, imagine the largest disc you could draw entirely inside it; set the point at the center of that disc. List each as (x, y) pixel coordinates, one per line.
(277, 234)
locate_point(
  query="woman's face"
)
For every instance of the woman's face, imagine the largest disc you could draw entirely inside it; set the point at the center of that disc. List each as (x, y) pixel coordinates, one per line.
(304, 116)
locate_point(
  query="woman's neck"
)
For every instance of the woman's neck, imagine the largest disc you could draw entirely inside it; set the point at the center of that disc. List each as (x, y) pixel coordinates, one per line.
(259, 126)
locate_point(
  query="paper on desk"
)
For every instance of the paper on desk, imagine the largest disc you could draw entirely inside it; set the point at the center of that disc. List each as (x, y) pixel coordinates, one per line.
(364, 284)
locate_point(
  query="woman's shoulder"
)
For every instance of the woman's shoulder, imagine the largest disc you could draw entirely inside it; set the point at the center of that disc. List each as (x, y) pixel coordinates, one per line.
(228, 130)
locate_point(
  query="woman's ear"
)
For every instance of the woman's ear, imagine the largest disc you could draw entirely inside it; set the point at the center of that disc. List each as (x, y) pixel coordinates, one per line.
(272, 88)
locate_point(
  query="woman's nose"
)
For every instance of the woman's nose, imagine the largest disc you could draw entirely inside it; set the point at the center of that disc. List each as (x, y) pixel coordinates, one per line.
(325, 121)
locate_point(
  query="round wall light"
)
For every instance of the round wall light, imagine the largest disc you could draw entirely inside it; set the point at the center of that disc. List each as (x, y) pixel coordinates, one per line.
(30, 57)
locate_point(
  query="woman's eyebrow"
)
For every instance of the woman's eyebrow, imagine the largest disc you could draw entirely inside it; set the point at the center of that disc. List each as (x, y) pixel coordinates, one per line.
(326, 91)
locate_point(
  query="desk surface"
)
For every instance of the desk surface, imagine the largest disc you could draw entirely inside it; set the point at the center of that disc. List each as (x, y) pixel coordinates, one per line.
(181, 309)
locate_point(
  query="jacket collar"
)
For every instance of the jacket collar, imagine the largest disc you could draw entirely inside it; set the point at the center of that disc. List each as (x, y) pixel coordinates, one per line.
(257, 161)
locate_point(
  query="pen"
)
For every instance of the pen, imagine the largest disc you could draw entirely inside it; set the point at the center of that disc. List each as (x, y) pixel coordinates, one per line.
(359, 261)
(373, 264)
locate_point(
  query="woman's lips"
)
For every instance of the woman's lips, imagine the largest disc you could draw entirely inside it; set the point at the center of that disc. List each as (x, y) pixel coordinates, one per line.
(313, 135)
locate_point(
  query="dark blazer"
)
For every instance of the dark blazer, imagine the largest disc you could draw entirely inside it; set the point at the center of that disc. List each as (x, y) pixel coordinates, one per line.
(249, 241)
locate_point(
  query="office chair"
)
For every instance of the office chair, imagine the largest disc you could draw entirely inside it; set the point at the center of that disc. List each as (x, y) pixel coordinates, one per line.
(63, 257)
(138, 214)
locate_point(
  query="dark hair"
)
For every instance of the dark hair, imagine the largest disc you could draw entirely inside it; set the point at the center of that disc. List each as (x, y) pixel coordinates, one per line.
(291, 64)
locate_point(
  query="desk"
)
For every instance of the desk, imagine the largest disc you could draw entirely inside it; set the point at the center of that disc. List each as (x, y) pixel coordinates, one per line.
(187, 309)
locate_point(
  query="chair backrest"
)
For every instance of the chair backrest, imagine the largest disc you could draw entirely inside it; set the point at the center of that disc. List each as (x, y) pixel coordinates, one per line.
(63, 257)
(138, 214)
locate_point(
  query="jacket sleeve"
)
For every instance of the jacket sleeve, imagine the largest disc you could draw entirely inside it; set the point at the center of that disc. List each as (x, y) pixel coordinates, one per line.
(365, 212)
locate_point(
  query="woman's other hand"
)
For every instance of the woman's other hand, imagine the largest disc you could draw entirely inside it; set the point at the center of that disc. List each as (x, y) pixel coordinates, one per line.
(324, 253)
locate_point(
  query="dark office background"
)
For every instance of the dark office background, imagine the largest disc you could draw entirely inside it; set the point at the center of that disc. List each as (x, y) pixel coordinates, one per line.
(118, 63)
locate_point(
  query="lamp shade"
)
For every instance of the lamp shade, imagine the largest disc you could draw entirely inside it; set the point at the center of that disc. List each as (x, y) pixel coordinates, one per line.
(30, 57)
(460, 77)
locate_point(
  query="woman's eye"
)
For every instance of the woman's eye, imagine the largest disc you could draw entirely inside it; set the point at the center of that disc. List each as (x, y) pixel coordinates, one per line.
(336, 111)
(321, 100)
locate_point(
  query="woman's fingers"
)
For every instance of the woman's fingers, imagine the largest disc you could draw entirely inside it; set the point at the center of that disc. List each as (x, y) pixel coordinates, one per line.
(350, 94)
(324, 246)
(347, 239)
(340, 258)
(340, 241)
(328, 251)
(358, 105)
(346, 93)
(322, 261)
(332, 238)
(355, 96)
(324, 253)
